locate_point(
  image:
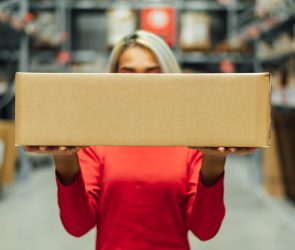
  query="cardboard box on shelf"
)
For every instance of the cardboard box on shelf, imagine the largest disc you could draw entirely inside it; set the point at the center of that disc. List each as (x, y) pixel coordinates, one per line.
(120, 22)
(143, 109)
(271, 169)
(195, 31)
(8, 152)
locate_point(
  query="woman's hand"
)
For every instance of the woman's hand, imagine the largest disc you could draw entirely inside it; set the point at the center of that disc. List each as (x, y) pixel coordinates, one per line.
(224, 151)
(53, 150)
(213, 162)
(65, 159)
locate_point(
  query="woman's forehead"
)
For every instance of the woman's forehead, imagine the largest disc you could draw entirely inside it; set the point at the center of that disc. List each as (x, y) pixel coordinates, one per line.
(138, 56)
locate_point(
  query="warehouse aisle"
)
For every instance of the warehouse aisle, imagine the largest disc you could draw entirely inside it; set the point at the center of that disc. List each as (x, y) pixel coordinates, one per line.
(30, 221)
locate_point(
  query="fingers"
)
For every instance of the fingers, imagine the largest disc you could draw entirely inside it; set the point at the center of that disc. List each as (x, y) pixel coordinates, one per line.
(30, 148)
(60, 150)
(244, 151)
(218, 151)
(225, 150)
(232, 150)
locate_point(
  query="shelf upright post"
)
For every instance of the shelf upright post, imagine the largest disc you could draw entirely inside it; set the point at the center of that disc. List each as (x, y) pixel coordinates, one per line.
(24, 42)
(231, 22)
(62, 23)
(23, 65)
(179, 12)
(257, 62)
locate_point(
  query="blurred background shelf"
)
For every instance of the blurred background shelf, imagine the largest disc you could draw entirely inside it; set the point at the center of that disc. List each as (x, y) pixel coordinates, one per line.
(197, 57)
(278, 59)
(180, 5)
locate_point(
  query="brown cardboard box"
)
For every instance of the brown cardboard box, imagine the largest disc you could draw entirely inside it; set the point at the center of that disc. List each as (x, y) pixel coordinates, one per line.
(195, 31)
(271, 169)
(143, 109)
(8, 152)
(120, 22)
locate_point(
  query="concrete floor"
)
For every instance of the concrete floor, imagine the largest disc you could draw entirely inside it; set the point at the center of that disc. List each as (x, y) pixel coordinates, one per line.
(29, 217)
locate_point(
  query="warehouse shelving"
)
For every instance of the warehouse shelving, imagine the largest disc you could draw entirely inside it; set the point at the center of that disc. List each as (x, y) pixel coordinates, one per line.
(6, 55)
(196, 57)
(267, 29)
(269, 33)
(180, 4)
(282, 15)
(69, 11)
(233, 15)
(9, 4)
(278, 59)
(191, 57)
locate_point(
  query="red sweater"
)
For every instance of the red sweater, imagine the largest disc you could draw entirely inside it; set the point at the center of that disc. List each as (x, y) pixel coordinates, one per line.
(141, 198)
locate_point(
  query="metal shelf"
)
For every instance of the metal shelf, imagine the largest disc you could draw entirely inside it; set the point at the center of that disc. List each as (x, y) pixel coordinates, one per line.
(6, 55)
(286, 16)
(85, 56)
(205, 5)
(190, 57)
(9, 4)
(43, 6)
(278, 59)
(206, 58)
(181, 5)
(278, 28)
(89, 5)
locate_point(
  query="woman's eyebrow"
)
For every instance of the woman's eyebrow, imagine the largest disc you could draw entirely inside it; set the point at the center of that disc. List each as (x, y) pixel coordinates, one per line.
(153, 67)
(127, 68)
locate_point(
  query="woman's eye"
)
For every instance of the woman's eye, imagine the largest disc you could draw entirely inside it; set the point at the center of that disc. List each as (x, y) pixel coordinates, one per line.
(125, 71)
(153, 70)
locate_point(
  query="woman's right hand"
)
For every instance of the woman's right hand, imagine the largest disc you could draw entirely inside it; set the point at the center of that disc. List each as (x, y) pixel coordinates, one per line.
(65, 159)
(53, 150)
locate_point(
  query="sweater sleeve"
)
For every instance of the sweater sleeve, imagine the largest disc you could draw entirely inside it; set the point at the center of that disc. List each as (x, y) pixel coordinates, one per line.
(78, 202)
(205, 205)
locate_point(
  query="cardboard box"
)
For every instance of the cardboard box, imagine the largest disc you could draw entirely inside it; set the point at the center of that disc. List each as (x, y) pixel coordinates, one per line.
(271, 169)
(195, 31)
(120, 23)
(143, 109)
(8, 152)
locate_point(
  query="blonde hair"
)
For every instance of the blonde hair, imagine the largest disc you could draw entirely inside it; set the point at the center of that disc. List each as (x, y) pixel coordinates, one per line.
(150, 41)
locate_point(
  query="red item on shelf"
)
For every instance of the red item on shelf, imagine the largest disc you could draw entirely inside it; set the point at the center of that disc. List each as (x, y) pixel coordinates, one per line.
(227, 66)
(28, 17)
(63, 57)
(160, 21)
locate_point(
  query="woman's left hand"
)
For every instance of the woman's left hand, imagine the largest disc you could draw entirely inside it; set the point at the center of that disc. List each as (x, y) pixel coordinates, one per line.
(224, 151)
(214, 161)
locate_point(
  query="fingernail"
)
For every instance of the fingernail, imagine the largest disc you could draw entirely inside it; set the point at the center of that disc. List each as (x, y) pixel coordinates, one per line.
(62, 148)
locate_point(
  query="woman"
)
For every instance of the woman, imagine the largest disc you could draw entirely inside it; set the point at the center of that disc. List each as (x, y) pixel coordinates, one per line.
(141, 197)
